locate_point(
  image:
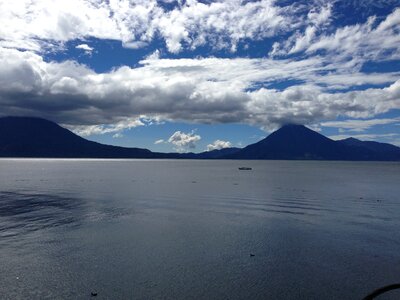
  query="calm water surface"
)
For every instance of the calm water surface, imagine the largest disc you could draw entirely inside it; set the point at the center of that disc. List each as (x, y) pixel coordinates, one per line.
(181, 229)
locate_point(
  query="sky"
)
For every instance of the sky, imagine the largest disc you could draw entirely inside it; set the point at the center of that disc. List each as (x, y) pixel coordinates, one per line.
(203, 75)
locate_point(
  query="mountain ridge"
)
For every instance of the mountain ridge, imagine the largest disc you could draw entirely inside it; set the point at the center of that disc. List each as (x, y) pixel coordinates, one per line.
(36, 137)
(292, 142)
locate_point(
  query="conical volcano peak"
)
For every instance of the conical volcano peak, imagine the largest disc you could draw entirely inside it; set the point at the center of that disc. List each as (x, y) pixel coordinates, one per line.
(291, 130)
(292, 125)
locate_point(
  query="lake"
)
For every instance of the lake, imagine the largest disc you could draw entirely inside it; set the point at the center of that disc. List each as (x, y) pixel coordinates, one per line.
(194, 229)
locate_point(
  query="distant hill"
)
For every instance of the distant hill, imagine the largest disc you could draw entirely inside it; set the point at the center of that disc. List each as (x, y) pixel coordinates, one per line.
(299, 142)
(388, 151)
(213, 154)
(35, 137)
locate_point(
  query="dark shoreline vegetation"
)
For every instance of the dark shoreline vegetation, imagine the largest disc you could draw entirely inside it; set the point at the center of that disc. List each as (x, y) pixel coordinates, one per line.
(39, 138)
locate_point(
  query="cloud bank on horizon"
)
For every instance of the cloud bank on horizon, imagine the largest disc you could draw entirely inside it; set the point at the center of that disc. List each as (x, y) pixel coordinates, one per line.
(262, 63)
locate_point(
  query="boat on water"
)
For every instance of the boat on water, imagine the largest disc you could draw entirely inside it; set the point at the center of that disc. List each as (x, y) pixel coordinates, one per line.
(245, 168)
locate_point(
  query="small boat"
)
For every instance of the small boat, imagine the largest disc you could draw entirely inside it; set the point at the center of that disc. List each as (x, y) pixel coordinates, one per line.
(245, 168)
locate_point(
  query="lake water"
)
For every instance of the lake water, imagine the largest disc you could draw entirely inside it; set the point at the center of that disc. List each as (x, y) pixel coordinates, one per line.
(184, 229)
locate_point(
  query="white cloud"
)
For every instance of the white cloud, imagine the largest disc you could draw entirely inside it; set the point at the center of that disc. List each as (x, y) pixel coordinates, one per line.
(359, 125)
(48, 24)
(204, 90)
(372, 40)
(221, 24)
(35, 25)
(135, 44)
(219, 144)
(85, 47)
(153, 56)
(320, 17)
(118, 127)
(118, 135)
(160, 141)
(307, 104)
(184, 141)
(369, 40)
(317, 19)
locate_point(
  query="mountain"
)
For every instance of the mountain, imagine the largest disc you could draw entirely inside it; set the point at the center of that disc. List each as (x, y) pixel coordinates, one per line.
(213, 154)
(389, 151)
(35, 137)
(299, 142)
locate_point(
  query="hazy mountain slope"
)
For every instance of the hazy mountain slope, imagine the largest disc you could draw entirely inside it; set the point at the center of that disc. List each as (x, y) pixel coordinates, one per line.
(35, 137)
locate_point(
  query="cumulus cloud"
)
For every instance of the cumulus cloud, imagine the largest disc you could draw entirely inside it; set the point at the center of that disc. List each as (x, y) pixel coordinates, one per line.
(308, 104)
(195, 23)
(35, 25)
(184, 141)
(47, 24)
(85, 47)
(218, 144)
(199, 90)
(153, 56)
(202, 90)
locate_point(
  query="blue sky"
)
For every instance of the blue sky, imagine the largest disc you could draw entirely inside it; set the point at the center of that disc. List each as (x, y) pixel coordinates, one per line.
(202, 75)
